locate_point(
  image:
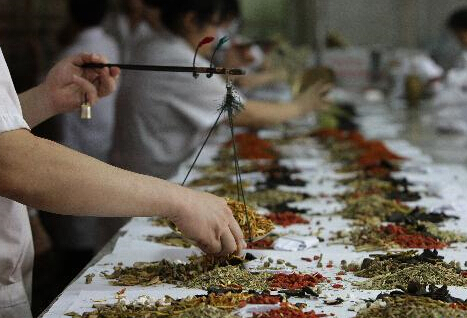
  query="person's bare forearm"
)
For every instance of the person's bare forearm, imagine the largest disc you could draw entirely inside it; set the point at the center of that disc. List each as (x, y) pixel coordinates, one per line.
(47, 176)
(259, 114)
(35, 106)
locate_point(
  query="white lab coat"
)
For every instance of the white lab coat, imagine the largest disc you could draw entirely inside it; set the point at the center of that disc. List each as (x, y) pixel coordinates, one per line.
(16, 247)
(92, 137)
(162, 118)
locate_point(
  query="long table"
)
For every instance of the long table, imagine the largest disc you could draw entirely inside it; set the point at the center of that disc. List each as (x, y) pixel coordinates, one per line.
(405, 131)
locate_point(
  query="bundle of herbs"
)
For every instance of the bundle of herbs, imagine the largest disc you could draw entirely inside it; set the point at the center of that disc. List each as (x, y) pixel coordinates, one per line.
(164, 271)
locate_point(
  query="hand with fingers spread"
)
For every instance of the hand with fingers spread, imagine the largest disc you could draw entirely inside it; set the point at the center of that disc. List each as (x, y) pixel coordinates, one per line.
(67, 82)
(314, 97)
(207, 220)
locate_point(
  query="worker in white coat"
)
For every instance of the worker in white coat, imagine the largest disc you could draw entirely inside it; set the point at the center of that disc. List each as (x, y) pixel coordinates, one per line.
(50, 177)
(162, 118)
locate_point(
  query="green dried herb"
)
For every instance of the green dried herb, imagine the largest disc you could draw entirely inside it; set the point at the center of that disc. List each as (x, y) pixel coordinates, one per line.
(264, 198)
(372, 206)
(443, 235)
(424, 273)
(231, 277)
(410, 307)
(147, 274)
(209, 180)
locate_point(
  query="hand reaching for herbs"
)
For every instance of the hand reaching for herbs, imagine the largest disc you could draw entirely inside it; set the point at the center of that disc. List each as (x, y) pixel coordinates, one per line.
(207, 220)
(314, 97)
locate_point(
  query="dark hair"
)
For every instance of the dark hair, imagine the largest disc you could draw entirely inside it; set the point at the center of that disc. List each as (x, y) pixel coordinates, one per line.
(458, 20)
(154, 3)
(87, 13)
(172, 11)
(231, 10)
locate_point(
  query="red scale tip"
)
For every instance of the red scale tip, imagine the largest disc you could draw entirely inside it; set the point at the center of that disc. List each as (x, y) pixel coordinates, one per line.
(206, 40)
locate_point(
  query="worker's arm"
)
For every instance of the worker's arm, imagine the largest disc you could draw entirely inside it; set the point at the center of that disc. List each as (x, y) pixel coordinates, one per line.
(50, 177)
(66, 86)
(259, 114)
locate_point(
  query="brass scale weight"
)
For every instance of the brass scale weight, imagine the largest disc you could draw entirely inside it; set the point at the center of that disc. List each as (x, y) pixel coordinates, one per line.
(231, 104)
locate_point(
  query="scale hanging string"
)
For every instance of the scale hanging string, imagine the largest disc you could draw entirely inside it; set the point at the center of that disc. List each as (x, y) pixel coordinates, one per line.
(202, 146)
(231, 104)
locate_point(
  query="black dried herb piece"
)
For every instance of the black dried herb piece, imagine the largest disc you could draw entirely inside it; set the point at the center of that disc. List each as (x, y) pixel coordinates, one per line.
(408, 257)
(89, 278)
(310, 291)
(250, 257)
(431, 291)
(294, 293)
(284, 207)
(348, 108)
(334, 302)
(305, 292)
(404, 196)
(419, 214)
(279, 175)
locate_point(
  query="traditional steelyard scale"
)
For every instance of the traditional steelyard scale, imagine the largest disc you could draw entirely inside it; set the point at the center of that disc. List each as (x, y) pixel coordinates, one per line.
(230, 106)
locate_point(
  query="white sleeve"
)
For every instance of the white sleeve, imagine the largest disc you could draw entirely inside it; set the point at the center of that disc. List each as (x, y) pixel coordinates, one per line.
(198, 99)
(11, 117)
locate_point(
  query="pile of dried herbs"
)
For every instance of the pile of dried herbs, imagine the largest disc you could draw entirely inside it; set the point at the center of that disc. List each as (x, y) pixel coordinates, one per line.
(430, 291)
(272, 197)
(410, 307)
(164, 271)
(350, 148)
(199, 306)
(383, 237)
(258, 225)
(286, 218)
(372, 206)
(388, 188)
(423, 273)
(206, 311)
(378, 264)
(288, 311)
(295, 280)
(250, 146)
(232, 277)
(263, 198)
(280, 175)
(170, 239)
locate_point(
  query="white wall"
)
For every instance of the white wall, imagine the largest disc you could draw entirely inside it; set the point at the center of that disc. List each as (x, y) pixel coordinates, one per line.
(408, 23)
